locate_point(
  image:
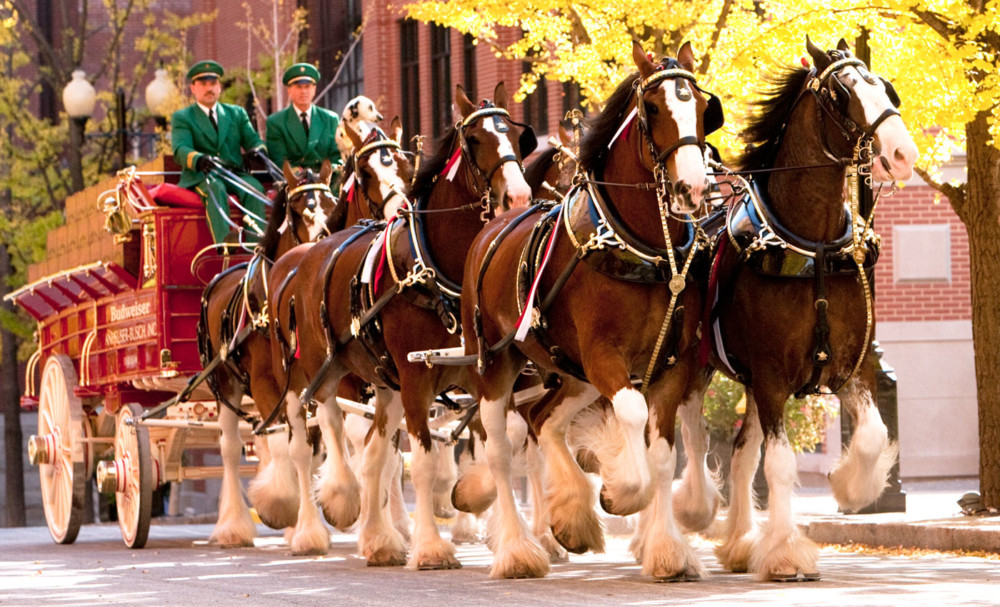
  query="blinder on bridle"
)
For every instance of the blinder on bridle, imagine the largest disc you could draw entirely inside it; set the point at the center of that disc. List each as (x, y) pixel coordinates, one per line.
(383, 144)
(526, 143)
(838, 95)
(712, 120)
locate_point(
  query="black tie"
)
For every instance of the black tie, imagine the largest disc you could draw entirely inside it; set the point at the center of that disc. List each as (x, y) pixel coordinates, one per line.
(211, 117)
(305, 123)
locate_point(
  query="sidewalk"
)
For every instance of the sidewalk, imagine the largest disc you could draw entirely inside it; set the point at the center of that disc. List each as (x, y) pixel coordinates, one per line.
(933, 519)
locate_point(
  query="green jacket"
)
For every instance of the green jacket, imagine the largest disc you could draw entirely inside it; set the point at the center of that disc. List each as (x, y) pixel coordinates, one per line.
(286, 139)
(193, 136)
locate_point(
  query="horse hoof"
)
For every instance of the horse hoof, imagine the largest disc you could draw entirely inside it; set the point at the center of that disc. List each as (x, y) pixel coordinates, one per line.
(439, 566)
(683, 576)
(385, 558)
(574, 545)
(796, 577)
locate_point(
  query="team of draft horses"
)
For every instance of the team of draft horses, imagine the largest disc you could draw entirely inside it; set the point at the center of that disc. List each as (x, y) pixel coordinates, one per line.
(582, 327)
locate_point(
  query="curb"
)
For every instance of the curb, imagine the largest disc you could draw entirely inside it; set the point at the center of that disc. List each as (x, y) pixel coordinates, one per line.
(971, 534)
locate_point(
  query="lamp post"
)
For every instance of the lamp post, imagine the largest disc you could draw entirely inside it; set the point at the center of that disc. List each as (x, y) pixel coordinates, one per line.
(79, 97)
(159, 92)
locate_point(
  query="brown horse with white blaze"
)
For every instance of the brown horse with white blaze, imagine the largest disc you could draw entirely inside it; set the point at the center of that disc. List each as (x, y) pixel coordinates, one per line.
(231, 302)
(380, 171)
(366, 298)
(601, 319)
(795, 309)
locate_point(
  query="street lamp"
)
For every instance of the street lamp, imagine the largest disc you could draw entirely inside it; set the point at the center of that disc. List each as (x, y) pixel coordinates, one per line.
(79, 98)
(159, 93)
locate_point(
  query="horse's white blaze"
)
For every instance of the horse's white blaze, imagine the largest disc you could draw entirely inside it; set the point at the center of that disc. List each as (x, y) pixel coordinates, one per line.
(688, 162)
(895, 143)
(318, 222)
(388, 182)
(516, 188)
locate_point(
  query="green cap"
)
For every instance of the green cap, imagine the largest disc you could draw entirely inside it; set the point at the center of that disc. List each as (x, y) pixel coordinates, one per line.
(205, 69)
(301, 72)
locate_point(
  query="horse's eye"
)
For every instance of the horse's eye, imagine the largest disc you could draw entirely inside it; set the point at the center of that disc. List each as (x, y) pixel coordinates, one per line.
(651, 109)
(473, 140)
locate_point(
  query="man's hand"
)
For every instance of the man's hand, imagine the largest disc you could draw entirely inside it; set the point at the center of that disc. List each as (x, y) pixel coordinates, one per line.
(205, 164)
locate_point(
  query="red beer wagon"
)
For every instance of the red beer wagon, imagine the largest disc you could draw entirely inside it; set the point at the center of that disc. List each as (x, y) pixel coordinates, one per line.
(117, 333)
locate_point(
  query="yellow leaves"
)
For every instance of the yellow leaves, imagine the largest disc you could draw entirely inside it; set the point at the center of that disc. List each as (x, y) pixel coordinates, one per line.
(943, 79)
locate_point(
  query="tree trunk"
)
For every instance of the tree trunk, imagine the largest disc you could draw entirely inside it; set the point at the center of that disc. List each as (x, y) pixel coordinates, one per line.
(10, 402)
(981, 215)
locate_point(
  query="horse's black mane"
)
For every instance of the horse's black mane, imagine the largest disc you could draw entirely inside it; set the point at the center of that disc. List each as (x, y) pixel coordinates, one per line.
(594, 147)
(534, 173)
(269, 242)
(769, 115)
(431, 167)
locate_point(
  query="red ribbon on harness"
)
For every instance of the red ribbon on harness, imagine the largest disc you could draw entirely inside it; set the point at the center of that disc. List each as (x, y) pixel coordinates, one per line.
(452, 161)
(382, 259)
(298, 344)
(705, 346)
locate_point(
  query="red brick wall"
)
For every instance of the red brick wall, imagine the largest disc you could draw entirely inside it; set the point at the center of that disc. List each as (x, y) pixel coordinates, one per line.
(923, 301)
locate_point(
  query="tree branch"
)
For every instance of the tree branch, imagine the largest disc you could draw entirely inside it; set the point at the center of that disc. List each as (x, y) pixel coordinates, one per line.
(956, 194)
(720, 24)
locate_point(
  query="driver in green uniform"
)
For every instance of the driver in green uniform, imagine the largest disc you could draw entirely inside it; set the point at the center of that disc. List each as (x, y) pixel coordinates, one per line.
(208, 128)
(302, 133)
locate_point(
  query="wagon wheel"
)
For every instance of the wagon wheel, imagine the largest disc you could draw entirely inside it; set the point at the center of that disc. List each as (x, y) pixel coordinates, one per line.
(59, 451)
(134, 491)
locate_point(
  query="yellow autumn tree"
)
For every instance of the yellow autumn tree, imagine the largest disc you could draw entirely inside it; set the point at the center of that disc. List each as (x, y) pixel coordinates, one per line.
(942, 56)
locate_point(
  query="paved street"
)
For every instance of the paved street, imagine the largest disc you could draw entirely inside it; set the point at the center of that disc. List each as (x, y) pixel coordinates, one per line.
(178, 568)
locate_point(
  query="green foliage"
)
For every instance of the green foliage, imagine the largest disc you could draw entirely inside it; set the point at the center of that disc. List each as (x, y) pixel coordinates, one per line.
(806, 420)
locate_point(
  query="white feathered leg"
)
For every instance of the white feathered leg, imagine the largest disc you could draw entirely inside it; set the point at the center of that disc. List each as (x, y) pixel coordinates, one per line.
(379, 542)
(274, 491)
(540, 524)
(863, 470)
(781, 551)
(697, 496)
(338, 493)
(235, 527)
(740, 530)
(310, 536)
(428, 550)
(665, 554)
(569, 500)
(516, 553)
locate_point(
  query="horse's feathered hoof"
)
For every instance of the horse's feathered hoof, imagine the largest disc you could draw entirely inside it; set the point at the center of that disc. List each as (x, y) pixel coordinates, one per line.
(448, 564)
(385, 558)
(683, 576)
(797, 577)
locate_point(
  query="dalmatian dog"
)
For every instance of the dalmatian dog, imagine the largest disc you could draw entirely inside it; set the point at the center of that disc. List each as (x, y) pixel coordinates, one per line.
(360, 113)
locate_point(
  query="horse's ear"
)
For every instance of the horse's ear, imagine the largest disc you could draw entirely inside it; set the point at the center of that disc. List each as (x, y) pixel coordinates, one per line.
(685, 57)
(352, 135)
(564, 135)
(289, 174)
(820, 58)
(843, 46)
(396, 130)
(465, 107)
(642, 62)
(500, 94)
(326, 171)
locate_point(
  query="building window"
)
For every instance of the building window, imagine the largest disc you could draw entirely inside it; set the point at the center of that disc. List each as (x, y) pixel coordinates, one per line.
(536, 105)
(440, 78)
(409, 63)
(332, 41)
(469, 65)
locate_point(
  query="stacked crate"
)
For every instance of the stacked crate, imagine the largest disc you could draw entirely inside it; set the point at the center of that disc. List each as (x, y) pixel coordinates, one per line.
(83, 238)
